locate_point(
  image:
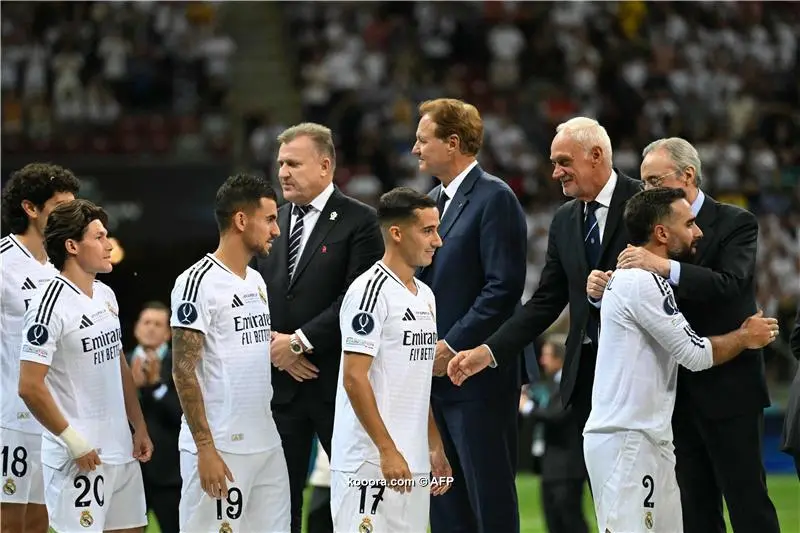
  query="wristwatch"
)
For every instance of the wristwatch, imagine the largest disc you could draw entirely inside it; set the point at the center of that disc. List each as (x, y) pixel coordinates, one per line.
(295, 345)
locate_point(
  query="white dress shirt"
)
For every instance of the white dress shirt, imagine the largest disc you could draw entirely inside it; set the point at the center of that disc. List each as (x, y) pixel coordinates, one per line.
(309, 221)
(604, 199)
(452, 189)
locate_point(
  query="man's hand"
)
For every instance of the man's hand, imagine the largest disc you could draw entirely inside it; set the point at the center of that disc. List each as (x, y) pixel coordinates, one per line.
(282, 357)
(468, 363)
(596, 283)
(152, 369)
(138, 372)
(638, 257)
(440, 467)
(88, 462)
(142, 445)
(759, 331)
(394, 466)
(303, 369)
(213, 472)
(443, 356)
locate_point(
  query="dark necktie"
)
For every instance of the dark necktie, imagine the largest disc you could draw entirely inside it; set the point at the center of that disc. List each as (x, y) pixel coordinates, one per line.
(440, 203)
(591, 235)
(296, 237)
(593, 247)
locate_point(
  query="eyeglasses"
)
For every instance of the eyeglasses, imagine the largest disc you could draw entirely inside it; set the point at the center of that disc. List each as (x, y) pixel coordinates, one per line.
(658, 181)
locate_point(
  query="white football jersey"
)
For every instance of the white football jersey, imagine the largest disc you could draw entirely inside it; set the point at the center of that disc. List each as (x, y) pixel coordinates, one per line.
(21, 276)
(235, 370)
(380, 317)
(643, 339)
(79, 338)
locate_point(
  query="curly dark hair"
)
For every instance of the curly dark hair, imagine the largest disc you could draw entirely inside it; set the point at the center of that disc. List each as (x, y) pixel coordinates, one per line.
(37, 183)
(69, 221)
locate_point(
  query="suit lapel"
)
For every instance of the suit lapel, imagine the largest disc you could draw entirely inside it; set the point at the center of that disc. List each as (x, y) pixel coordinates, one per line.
(622, 191)
(459, 201)
(706, 218)
(577, 225)
(282, 246)
(324, 224)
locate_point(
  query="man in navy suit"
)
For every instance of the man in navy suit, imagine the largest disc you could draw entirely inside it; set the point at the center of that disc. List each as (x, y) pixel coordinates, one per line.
(478, 277)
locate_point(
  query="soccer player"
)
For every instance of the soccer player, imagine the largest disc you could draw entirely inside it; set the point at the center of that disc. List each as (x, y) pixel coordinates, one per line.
(75, 380)
(644, 337)
(384, 434)
(221, 366)
(29, 197)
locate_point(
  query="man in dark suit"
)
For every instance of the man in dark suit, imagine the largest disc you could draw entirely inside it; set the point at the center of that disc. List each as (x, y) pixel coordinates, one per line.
(327, 240)
(718, 418)
(151, 368)
(790, 438)
(478, 276)
(586, 235)
(563, 475)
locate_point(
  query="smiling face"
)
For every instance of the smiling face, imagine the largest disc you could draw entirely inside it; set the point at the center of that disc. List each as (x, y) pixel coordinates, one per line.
(303, 170)
(93, 251)
(434, 154)
(419, 238)
(573, 167)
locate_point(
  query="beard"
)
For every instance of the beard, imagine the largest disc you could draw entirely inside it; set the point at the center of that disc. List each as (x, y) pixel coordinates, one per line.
(684, 254)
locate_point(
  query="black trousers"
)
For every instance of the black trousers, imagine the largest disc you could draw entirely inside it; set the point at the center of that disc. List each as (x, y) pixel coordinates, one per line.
(297, 422)
(319, 512)
(562, 501)
(164, 502)
(716, 458)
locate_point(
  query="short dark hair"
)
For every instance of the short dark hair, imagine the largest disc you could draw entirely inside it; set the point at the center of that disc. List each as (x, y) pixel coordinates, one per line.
(399, 204)
(646, 209)
(155, 305)
(37, 183)
(69, 221)
(242, 192)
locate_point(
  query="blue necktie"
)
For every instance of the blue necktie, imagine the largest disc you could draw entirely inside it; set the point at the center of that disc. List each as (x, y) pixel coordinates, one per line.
(591, 235)
(441, 202)
(593, 247)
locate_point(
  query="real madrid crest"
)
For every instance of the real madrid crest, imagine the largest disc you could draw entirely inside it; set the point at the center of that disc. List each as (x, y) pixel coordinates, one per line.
(9, 487)
(225, 528)
(86, 519)
(648, 520)
(262, 294)
(365, 526)
(111, 309)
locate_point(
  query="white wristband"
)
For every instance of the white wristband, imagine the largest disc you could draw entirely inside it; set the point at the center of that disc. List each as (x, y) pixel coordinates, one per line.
(77, 445)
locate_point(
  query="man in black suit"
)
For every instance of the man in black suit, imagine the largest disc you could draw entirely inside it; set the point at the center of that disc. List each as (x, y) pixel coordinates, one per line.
(718, 418)
(151, 368)
(586, 235)
(327, 240)
(563, 475)
(477, 276)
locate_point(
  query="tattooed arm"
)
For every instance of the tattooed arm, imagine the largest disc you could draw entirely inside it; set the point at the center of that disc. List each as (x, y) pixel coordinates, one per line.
(187, 349)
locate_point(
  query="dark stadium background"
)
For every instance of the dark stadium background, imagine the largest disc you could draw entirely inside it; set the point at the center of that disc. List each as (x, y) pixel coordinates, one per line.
(153, 104)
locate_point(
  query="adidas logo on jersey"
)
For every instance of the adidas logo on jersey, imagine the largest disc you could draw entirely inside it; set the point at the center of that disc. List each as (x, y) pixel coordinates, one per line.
(236, 302)
(85, 322)
(409, 315)
(28, 285)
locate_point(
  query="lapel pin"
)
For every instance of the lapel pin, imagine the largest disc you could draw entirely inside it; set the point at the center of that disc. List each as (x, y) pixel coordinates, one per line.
(334, 215)
(324, 249)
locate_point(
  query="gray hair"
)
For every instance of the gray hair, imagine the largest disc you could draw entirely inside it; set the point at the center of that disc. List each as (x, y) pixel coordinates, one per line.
(320, 135)
(682, 153)
(588, 133)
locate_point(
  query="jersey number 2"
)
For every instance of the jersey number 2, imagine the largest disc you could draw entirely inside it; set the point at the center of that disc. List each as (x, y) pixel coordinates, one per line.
(647, 482)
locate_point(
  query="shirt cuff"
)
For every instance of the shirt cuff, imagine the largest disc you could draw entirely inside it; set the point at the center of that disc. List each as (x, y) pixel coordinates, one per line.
(449, 347)
(594, 302)
(493, 364)
(304, 340)
(674, 273)
(160, 392)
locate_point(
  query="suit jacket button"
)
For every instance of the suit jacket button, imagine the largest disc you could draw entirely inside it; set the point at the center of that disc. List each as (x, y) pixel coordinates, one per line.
(290, 297)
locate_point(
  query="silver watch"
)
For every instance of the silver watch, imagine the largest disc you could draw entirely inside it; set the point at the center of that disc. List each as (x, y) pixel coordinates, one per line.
(294, 345)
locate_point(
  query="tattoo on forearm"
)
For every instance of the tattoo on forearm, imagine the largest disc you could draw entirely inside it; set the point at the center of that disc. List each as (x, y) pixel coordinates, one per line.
(187, 349)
